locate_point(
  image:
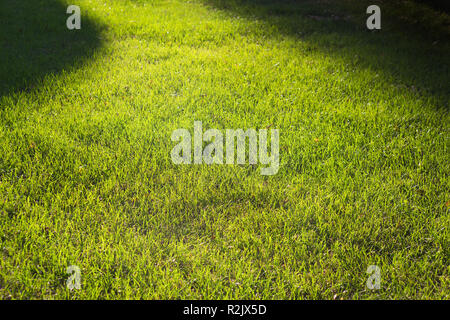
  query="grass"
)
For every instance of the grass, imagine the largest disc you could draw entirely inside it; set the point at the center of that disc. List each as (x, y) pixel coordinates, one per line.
(86, 176)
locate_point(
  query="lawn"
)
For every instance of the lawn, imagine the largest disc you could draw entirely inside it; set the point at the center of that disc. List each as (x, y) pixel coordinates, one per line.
(87, 179)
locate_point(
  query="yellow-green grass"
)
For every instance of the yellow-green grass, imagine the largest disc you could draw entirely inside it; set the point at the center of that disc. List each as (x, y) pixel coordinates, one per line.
(86, 176)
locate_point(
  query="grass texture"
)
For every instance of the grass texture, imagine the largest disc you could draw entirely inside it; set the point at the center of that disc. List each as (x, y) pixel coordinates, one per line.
(86, 176)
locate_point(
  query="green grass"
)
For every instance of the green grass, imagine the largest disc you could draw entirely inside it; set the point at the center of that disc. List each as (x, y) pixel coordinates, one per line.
(86, 176)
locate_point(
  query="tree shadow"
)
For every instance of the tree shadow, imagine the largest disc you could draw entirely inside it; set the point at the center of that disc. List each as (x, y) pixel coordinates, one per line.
(411, 48)
(443, 5)
(35, 42)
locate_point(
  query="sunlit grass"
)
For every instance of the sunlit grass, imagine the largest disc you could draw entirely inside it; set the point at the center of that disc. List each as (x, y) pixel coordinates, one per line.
(86, 177)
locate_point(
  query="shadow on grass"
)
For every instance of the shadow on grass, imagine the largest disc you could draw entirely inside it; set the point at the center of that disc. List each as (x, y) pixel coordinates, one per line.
(443, 5)
(411, 49)
(35, 41)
